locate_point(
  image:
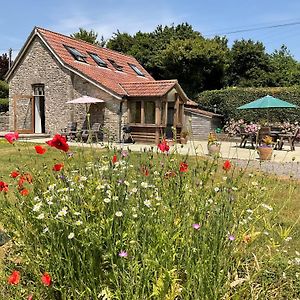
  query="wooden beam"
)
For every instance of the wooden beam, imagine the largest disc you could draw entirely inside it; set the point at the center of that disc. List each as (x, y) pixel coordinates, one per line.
(142, 112)
(166, 114)
(158, 112)
(176, 113)
(128, 112)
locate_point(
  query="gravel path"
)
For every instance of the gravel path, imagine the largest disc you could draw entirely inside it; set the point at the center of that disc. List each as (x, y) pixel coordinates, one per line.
(281, 169)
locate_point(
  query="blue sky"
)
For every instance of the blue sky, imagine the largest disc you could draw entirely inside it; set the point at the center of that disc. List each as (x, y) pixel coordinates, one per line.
(107, 16)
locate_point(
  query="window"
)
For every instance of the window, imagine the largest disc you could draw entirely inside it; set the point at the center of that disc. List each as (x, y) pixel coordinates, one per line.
(38, 90)
(39, 108)
(149, 107)
(76, 54)
(135, 112)
(136, 70)
(100, 62)
(115, 65)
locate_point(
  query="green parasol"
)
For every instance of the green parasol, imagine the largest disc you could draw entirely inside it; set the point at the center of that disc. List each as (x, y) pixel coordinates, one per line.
(267, 102)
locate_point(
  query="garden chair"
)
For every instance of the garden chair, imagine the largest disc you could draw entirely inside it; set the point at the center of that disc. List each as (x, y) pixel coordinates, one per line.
(262, 132)
(247, 137)
(70, 131)
(290, 138)
(95, 132)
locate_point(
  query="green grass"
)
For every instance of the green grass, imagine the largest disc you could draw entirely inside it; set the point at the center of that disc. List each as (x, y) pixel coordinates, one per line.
(167, 258)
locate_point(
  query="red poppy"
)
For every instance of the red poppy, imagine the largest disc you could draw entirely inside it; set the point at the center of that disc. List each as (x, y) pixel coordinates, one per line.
(227, 165)
(14, 174)
(114, 159)
(3, 186)
(14, 278)
(58, 167)
(39, 149)
(30, 297)
(183, 167)
(46, 279)
(24, 192)
(145, 171)
(163, 146)
(11, 137)
(59, 142)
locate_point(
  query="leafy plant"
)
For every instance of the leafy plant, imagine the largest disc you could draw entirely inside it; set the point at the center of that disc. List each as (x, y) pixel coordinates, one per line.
(212, 139)
(4, 105)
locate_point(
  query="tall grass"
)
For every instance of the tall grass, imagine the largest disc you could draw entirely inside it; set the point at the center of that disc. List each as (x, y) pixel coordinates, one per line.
(118, 225)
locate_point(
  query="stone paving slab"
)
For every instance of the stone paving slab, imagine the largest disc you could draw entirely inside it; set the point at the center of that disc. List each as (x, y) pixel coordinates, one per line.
(284, 163)
(229, 150)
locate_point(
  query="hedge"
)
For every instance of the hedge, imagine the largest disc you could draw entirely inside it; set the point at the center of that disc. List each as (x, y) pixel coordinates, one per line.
(3, 89)
(227, 100)
(3, 105)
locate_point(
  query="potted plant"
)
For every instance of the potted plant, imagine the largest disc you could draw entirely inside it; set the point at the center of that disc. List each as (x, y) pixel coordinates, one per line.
(184, 136)
(213, 145)
(265, 150)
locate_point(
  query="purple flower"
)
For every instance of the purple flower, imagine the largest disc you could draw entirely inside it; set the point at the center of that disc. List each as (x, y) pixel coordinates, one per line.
(121, 181)
(123, 254)
(124, 153)
(196, 226)
(231, 237)
(70, 154)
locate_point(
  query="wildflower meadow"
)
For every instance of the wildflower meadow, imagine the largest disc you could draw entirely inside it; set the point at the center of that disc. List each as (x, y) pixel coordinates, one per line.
(113, 224)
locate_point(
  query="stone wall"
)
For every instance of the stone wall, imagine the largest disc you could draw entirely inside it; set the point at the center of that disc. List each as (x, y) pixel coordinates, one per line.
(4, 121)
(38, 66)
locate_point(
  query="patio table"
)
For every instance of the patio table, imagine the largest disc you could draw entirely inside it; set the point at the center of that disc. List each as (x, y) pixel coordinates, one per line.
(245, 136)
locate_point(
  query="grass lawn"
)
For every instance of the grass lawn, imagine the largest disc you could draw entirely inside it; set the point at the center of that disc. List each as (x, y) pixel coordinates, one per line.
(141, 205)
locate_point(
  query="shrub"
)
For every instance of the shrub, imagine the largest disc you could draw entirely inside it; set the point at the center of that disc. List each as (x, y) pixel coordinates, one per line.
(227, 101)
(3, 89)
(4, 105)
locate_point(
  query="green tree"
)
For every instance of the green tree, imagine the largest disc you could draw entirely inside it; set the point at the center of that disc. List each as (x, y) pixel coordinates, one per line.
(147, 47)
(88, 36)
(177, 52)
(3, 89)
(249, 64)
(4, 61)
(121, 42)
(198, 64)
(285, 69)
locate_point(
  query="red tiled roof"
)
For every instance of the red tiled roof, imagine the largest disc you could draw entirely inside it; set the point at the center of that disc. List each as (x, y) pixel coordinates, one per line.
(148, 88)
(107, 77)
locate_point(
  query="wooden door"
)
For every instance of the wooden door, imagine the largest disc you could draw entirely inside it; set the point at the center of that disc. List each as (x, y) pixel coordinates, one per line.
(24, 114)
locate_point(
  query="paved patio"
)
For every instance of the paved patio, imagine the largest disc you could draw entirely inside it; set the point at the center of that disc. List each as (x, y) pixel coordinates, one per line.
(229, 150)
(284, 163)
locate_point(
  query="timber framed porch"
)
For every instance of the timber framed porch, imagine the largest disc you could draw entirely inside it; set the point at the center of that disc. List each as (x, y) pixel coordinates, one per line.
(152, 118)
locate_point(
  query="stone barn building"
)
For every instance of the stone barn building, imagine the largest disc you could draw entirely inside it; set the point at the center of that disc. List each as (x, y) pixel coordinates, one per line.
(52, 69)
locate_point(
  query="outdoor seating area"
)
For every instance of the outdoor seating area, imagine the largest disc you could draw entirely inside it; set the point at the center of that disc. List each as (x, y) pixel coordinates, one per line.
(284, 135)
(92, 134)
(265, 133)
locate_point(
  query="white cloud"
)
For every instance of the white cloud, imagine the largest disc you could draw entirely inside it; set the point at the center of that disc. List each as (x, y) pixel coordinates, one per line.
(124, 21)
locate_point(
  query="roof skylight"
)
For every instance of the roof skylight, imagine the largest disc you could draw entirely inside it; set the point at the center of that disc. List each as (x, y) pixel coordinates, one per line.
(100, 62)
(76, 54)
(115, 65)
(136, 70)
